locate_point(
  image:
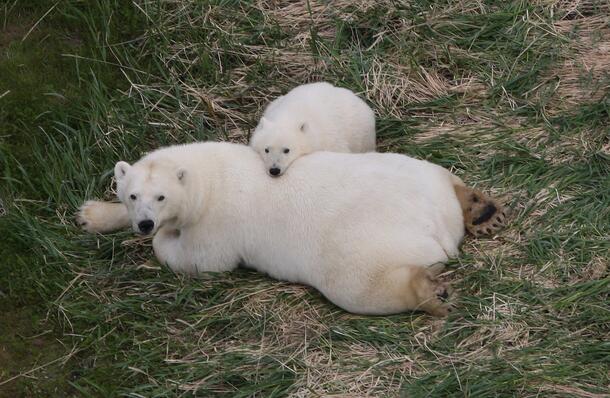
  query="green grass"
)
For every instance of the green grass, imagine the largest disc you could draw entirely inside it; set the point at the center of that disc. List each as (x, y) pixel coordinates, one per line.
(512, 96)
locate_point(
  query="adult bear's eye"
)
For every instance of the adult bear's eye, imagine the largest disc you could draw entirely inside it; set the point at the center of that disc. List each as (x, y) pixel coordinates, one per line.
(286, 150)
(266, 150)
(161, 198)
(133, 197)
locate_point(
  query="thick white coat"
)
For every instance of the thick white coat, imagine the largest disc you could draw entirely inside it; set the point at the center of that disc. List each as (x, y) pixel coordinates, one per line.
(354, 226)
(313, 117)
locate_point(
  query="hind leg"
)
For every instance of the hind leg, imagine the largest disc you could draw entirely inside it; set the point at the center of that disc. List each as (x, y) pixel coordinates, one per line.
(397, 289)
(482, 214)
(429, 293)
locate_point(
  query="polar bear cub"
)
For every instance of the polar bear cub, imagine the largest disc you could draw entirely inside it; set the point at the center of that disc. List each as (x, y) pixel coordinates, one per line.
(312, 117)
(361, 228)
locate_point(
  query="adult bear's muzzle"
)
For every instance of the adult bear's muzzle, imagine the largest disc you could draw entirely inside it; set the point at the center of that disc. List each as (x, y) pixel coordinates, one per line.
(145, 226)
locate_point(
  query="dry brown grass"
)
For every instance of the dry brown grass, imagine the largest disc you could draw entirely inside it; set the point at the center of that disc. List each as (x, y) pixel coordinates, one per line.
(583, 76)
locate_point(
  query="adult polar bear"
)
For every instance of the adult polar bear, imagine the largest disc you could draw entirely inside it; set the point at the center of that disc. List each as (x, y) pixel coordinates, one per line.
(361, 228)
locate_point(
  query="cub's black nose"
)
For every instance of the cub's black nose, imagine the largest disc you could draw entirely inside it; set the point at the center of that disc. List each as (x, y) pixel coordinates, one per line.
(274, 171)
(146, 226)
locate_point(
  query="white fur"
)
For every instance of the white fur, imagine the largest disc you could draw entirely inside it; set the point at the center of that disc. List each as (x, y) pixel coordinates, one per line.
(358, 227)
(313, 117)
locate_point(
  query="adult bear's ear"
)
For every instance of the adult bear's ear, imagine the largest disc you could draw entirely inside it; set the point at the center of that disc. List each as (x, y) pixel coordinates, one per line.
(181, 174)
(121, 169)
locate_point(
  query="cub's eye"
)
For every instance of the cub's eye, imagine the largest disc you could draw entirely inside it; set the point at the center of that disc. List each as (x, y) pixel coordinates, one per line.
(133, 197)
(286, 150)
(266, 150)
(161, 198)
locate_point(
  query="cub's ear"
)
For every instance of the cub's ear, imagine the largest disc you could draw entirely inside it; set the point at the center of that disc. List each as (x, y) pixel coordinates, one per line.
(181, 173)
(303, 127)
(121, 169)
(262, 122)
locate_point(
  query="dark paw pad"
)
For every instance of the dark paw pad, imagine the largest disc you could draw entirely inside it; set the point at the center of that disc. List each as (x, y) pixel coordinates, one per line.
(485, 218)
(444, 295)
(488, 212)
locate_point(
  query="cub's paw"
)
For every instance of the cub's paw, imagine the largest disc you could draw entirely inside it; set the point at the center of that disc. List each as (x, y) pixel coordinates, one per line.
(433, 295)
(483, 215)
(95, 216)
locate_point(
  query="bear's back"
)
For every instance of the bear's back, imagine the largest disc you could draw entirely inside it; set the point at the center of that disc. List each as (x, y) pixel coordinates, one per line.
(326, 200)
(367, 186)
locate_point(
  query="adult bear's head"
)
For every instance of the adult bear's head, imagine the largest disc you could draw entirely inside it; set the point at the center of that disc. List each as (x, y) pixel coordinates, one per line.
(153, 191)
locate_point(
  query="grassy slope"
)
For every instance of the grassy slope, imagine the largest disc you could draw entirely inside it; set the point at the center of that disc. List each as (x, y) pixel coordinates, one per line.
(497, 92)
(30, 70)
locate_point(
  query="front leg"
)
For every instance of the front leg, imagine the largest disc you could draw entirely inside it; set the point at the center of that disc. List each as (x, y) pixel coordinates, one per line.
(187, 253)
(95, 216)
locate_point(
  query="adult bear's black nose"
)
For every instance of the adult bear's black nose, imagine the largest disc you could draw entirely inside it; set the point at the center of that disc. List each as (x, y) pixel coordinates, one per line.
(274, 171)
(146, 226)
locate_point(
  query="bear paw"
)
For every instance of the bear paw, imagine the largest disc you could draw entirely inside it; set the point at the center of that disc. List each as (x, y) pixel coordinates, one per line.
(434, 295)
(99, 217)
(439, 305)
(483, 215)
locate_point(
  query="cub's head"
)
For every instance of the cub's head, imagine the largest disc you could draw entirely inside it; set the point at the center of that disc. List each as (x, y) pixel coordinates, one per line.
(279, 146)
(153, 191)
